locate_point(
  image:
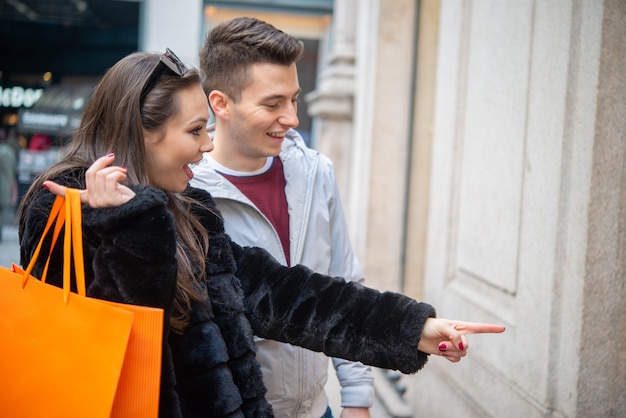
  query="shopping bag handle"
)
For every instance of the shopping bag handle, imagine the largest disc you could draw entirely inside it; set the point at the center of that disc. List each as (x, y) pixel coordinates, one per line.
(52, 217)
(66, 211)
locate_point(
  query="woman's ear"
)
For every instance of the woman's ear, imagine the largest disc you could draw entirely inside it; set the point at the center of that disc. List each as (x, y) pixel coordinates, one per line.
(219, 103)
(150, 137)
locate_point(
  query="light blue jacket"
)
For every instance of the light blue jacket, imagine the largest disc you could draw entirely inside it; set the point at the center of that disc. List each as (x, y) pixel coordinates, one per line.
(319, 239)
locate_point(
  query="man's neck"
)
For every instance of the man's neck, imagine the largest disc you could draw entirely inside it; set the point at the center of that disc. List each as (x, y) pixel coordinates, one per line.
(233, 159)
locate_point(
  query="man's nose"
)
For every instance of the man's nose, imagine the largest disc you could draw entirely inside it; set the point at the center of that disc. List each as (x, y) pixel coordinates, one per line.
(290, 116)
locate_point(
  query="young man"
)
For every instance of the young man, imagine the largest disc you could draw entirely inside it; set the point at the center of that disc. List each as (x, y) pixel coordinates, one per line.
(276, 193)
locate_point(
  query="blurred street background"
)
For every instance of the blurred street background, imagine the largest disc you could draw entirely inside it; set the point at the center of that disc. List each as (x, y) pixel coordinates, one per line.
(9, 244)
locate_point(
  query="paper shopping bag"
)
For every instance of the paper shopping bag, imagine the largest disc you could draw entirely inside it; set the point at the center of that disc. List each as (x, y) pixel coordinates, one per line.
(140, 381)
(61, 356)
(137, 390)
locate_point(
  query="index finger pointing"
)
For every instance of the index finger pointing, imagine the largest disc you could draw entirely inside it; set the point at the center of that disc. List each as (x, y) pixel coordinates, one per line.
(478, 328)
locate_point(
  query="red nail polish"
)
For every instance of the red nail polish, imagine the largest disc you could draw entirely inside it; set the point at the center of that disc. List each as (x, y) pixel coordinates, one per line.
(461, 346)
(111, 155)
(442, 347)
(45, 186)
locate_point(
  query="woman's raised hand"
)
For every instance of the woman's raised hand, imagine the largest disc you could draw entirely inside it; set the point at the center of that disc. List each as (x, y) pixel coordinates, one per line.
(103, 185)
(446, 337)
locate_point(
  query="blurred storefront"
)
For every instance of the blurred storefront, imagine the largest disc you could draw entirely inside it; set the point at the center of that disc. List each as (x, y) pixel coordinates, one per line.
(45, 127)
(57, 112)
(53, 54)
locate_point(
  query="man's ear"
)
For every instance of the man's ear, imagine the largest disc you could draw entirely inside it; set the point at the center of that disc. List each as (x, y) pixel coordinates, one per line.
(219, 103)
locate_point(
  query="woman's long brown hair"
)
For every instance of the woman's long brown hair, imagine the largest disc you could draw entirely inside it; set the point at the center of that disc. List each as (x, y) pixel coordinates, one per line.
(113, 122)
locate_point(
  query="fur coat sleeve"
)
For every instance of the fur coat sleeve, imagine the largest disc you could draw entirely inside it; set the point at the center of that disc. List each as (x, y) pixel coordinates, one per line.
(329, 315)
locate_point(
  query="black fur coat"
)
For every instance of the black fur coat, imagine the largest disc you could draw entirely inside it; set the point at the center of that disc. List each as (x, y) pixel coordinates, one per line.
(210, 370)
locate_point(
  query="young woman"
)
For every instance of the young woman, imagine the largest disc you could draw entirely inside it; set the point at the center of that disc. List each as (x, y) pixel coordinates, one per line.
(150, 239)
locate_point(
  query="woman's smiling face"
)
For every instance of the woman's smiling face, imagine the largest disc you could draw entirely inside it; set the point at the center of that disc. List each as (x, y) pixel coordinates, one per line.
(181, 142)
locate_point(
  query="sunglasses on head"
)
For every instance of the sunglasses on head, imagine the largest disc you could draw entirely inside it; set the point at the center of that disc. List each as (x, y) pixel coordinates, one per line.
(168, 60)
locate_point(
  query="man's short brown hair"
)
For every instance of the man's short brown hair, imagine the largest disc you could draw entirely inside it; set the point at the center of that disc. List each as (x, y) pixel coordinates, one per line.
(233, 46)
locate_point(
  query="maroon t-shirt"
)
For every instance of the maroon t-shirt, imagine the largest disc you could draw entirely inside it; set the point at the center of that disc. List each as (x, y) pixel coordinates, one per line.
(267, 192)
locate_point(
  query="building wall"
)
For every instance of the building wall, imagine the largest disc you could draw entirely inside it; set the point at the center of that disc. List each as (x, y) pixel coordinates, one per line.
(362, 110)
(524, 183)
(527, 114)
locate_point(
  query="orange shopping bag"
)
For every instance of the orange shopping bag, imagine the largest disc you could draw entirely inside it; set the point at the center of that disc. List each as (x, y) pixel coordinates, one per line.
(139, 386)
(75, 356)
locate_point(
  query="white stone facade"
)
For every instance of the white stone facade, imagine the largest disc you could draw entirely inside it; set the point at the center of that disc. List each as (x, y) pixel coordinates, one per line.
(486, 174)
